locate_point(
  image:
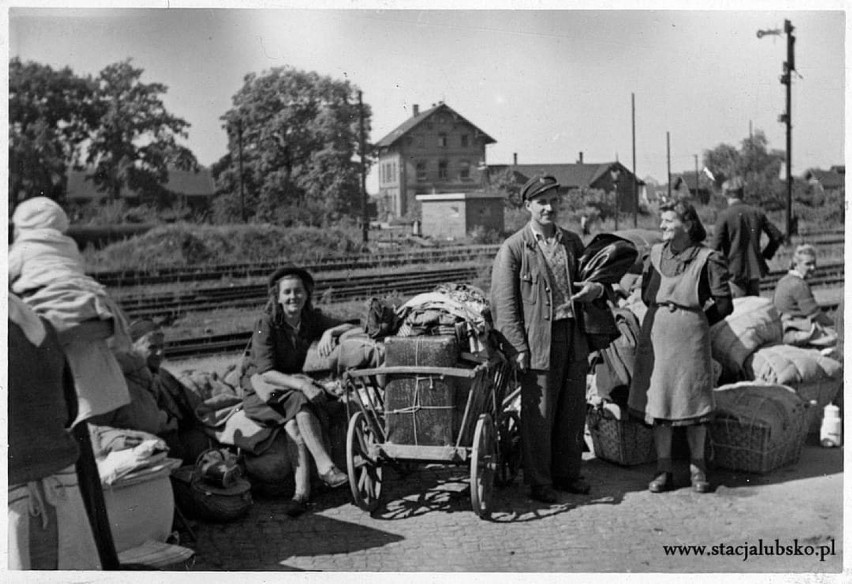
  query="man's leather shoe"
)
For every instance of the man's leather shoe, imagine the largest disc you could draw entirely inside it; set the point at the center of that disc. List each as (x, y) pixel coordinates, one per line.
(576, 486)
(334, 478)
(700, 484)
(663, 482)
(543, 493)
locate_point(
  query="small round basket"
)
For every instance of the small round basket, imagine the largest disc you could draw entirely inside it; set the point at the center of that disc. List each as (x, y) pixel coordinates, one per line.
(200, 500)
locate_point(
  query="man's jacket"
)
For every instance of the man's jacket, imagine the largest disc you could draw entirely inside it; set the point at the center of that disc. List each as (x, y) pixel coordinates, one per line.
(522, 297)
(737, 236)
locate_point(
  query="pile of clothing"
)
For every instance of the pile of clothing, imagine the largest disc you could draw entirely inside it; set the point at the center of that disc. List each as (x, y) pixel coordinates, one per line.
(458, 310)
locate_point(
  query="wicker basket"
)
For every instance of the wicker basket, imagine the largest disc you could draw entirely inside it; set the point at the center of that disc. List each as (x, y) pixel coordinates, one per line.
(748, 445)
(625, 442)
(200, 500)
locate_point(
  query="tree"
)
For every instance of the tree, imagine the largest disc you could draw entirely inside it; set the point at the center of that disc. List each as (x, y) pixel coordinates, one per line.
(299, 133)
(135, 143)
(754, 163)
(506, 183)
(50, 116)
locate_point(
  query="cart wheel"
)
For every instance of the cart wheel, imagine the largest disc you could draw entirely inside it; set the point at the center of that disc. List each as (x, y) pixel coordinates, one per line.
(509, 444)
(483, 463)
(365, 473)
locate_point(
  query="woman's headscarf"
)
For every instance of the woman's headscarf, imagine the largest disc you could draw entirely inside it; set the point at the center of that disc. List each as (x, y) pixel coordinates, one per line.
(40, 213)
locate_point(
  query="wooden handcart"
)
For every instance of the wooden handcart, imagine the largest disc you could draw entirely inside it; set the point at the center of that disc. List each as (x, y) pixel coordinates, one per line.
(485, 435)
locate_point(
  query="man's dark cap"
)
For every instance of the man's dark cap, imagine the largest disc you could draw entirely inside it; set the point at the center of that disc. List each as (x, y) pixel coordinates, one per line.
(285, 271)
(538, 185)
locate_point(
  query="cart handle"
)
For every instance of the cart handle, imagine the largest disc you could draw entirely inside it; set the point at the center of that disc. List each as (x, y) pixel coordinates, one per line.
(406, 370)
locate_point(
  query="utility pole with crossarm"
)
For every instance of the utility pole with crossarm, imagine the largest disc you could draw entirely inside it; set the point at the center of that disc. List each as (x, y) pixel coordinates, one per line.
(787, 117)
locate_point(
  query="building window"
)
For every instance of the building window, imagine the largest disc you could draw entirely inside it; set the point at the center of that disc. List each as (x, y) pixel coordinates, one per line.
(442, 140)
(465, 140)
(464, 170)
(421, 171)
(442, 170)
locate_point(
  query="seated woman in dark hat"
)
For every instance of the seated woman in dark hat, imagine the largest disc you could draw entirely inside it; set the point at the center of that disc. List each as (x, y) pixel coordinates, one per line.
(276, 390)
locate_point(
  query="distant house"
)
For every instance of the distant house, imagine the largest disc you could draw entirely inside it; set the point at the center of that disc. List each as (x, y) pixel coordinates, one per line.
(827, 180)
(455, 215)
(196, 189)
(435, 151)
(606, 176)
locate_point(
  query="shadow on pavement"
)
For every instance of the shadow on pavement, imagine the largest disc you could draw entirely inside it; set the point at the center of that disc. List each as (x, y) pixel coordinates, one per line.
(266, 539)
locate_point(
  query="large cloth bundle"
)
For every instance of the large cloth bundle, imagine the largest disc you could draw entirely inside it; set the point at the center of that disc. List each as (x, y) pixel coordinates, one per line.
(814, 377)
(758, 427)
(755, 322)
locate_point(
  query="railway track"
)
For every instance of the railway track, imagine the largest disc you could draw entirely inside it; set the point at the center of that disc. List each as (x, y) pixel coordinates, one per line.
(235, 342)
(169, 306)
(334, 289)
(207, 272)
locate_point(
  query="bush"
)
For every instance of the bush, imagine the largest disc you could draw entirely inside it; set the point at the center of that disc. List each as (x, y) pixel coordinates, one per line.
(183, 244)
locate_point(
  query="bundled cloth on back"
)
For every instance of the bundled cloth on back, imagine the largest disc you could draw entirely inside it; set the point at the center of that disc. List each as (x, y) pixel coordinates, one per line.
(814, 377)
(605, 260)
(451, 309)
(754, 323)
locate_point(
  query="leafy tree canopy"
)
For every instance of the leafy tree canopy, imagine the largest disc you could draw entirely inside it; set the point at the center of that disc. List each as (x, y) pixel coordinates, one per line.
(297, 135)
(758, 166)
(50, 115)
(135, 142)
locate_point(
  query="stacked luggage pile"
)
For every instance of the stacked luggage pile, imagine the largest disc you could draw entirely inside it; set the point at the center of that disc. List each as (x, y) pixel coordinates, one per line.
(769, 396)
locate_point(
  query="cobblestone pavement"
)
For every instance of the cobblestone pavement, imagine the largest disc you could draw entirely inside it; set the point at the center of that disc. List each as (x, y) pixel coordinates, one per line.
(426, 524)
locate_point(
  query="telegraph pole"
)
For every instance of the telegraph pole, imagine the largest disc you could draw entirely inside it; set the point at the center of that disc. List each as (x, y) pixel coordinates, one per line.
(669, 165)
(635, 179)
(240, 146)
(695, 156)
(365, 217)
(787, 117)
(787, 79)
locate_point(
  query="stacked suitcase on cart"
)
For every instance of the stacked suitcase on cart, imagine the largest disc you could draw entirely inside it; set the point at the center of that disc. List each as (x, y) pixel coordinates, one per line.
(424, 409)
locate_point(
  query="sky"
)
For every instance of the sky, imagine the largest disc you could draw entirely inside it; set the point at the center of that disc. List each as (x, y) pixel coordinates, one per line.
(545, 84)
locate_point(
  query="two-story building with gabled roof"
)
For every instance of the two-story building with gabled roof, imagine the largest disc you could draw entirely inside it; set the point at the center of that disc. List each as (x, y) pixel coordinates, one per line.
(432, 152)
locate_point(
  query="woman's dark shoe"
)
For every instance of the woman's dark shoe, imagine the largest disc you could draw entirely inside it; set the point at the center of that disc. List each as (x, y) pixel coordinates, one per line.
(334, 478)
(700, 484)
(543, 493)
(663, 482)
(576, 486)
(296, 506)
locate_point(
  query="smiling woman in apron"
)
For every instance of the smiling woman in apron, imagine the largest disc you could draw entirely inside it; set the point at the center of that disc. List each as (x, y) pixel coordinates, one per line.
(673, 384)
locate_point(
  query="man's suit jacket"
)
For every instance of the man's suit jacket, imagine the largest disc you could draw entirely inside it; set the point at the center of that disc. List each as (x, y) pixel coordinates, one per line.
(737, 236)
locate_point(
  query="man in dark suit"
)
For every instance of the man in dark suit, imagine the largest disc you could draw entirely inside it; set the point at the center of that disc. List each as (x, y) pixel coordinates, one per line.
(737, 236)
(534, 303)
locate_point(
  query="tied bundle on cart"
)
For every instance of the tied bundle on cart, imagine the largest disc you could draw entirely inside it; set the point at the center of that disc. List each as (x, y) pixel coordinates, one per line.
(439, 398)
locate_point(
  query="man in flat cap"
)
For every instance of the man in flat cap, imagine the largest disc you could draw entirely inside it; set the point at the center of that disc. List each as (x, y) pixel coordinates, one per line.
(534, 296)
(737, 236)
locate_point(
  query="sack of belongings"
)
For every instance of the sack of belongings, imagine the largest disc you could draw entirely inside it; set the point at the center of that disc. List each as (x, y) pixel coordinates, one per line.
(758, 427)
(755, 322)
(814, 377)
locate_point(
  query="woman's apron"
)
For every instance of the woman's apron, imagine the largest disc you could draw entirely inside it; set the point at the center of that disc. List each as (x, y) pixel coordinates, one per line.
(673, 376)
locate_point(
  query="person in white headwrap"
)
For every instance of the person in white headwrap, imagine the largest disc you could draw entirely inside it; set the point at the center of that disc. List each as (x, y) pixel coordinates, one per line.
(46, 270)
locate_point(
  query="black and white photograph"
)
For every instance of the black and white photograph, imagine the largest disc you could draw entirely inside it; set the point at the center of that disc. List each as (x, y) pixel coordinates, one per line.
(392, 289)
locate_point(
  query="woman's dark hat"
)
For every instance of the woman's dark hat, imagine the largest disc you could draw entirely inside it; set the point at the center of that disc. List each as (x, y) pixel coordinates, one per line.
(538, 185)
(284, 271)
